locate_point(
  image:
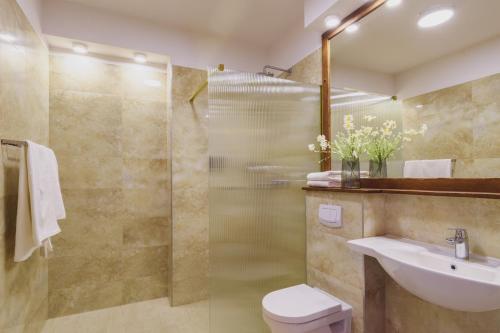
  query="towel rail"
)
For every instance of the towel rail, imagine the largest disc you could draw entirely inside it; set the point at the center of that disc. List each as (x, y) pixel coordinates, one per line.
(15, 143)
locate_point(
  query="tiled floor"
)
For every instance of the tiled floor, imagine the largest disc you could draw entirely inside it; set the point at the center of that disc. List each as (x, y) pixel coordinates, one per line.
(155, 316)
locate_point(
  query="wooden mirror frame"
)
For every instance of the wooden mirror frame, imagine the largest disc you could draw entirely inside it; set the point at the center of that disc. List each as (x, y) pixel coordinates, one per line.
(456, 187)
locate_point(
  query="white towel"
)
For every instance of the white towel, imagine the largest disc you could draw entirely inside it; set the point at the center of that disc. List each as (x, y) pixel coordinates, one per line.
(40, 202)
(428, 169)
(331, 175)
(324, 183)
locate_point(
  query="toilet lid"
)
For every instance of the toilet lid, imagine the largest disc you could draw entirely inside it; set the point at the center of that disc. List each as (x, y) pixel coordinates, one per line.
(299, 304)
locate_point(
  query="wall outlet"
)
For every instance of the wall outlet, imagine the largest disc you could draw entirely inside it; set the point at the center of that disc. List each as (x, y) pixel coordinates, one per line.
(330, 215)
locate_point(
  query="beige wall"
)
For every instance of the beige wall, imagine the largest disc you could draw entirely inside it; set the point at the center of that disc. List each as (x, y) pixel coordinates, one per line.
(361, 281)
(331, 265)
(109, 132)
(189, 188)
(427, 219)
(464, 123)
(24, 114)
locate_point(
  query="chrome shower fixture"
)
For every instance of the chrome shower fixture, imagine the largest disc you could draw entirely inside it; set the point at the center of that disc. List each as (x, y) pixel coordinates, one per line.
(266, 72)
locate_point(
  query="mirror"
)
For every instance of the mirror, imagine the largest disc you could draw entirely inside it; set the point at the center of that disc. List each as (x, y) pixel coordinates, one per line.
(400, 64)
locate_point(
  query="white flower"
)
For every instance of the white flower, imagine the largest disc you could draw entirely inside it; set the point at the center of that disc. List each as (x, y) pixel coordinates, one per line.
(348, 118)
(311, 147)
(321, 138)
(348, 126)
(386, 131)
(369, 118)
(323, 145)
(389, 124)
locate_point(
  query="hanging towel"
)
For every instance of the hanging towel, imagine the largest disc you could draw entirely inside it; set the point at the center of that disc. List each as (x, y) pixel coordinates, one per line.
(40, 202)
(428, 168)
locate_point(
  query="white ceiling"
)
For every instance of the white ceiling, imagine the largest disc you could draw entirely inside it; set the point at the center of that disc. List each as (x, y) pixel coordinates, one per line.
(258, 22)
(389, 40)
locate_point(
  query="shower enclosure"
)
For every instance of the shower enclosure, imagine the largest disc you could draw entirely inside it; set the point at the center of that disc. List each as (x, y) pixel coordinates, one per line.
(259, 128)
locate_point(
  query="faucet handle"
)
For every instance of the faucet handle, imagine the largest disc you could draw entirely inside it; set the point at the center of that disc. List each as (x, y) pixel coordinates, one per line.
(460, 233)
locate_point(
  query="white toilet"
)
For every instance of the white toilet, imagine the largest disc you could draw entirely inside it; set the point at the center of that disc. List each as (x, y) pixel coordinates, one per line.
(302, 309)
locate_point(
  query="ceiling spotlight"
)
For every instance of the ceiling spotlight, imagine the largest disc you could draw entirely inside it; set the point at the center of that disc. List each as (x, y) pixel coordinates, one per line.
(80, 48)
(352, 28)
(332, 21)
(393, 3)
(7, 38)
(140, 58)
(435, 16)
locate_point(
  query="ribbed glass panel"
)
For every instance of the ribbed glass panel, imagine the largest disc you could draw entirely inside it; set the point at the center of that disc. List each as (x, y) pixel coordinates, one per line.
(259, 128)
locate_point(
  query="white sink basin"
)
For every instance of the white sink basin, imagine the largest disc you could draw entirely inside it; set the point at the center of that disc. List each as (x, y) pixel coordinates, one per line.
(435, 275)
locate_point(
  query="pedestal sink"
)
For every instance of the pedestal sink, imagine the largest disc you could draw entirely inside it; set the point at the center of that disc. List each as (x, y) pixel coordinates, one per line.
(434, 274)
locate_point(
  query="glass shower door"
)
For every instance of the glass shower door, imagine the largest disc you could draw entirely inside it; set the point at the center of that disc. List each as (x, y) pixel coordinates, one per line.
(259, 129)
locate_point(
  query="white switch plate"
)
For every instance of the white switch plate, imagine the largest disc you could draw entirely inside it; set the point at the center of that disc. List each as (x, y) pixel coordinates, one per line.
(330, 215)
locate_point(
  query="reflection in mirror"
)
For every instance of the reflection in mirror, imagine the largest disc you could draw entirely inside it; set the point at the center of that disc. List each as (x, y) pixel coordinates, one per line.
(441, 62)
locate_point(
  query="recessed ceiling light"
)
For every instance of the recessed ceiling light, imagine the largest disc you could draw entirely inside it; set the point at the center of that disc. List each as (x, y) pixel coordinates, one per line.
(80, 48)
(393, 3)
(419, 106)
(435, 16)
(332, 21)
(140, 58)
(7, 38)
(352, 28)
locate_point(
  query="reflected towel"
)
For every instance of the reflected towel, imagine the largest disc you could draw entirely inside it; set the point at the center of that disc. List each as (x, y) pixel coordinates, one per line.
(428, 169)
(324, 183)
(330, 175)
(40, 202)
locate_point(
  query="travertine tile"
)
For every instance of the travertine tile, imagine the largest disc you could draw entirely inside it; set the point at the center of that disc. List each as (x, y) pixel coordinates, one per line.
(84, 74)
(352, 213)
(86, 236)
(24, 115)
(134, 290)
(94, 268)
(85, 124)
(142, 262)
(85, 298)
(145, 173)
(146, 232)
(100, 172)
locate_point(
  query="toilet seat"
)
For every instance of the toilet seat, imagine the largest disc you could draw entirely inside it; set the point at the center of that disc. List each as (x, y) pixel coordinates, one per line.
(299, 304)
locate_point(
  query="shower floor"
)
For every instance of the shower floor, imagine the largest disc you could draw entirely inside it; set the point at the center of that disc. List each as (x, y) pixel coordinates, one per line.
(143, 317)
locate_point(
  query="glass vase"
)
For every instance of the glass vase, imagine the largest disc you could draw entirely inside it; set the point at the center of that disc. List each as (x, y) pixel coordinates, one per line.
(350, 174)
(378, 169)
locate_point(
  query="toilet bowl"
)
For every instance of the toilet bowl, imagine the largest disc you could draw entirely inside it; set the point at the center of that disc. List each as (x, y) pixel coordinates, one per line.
(302, 309)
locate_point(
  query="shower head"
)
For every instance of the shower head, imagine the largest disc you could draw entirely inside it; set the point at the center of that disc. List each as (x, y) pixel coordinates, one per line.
(266, 71)
(266, 74)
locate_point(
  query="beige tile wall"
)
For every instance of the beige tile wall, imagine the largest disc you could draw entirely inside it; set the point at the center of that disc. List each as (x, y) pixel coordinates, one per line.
(331, 265)
(427, 219)
(24, 114)
(110, 133)
(464, 123)
(189, 188)
(380, 305)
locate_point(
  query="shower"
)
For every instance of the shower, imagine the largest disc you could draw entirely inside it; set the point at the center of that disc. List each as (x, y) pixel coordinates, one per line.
(266, 72)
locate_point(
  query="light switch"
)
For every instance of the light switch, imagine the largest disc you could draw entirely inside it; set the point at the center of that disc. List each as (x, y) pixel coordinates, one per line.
(330, 215)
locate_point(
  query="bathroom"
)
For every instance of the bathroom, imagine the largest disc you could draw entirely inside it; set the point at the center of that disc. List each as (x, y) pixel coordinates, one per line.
(308, 166)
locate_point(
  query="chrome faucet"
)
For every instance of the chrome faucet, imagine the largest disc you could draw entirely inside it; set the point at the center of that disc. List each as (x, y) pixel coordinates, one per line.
(461, 243)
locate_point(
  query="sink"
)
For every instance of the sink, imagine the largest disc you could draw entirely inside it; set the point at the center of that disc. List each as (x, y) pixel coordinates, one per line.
(433, 273)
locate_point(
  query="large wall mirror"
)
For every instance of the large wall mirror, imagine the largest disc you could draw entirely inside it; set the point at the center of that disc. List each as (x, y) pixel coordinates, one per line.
(426, 64)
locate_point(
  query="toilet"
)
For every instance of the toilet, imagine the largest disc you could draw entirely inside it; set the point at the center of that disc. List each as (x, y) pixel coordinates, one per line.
(303, 309)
